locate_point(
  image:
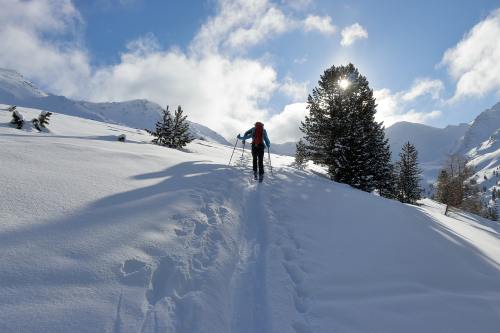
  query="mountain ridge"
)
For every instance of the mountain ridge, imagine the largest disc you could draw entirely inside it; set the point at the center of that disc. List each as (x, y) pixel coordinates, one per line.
(138, 113)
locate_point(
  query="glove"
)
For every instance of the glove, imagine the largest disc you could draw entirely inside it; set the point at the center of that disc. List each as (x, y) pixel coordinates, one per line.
(268, 146)
(238, 137)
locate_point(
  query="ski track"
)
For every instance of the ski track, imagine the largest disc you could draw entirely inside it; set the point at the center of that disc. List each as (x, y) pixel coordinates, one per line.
(249, 285)
(289, 247)
(169, 299)
(167, 306)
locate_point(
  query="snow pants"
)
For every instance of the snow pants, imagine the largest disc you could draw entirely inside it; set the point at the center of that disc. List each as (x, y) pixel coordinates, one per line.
(258, 158)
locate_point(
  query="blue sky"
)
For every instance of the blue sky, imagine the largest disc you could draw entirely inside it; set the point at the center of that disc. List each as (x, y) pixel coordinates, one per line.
(231, 62)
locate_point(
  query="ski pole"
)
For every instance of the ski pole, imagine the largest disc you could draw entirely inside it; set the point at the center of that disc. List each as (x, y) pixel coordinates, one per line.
(270, 165)
(233, 151)
(243, 151)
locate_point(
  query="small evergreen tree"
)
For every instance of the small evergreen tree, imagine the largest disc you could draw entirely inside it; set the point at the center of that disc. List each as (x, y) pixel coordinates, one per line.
(44, 118)
(300, 153)
(172, 132)
(384, 173)
(36, 124)
(181, 135)
(408, 175)
(17, 119)
(164, 129)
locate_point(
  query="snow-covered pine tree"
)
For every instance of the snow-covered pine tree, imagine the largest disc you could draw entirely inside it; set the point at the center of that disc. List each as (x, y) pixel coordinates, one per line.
(17, 119)
(300, 154)
(164, 129)
(408, 175)
(42, 121)
(36, 124)
(341, 130)
(172, 132)
(43, 118)
(383, 169)
(181, 135)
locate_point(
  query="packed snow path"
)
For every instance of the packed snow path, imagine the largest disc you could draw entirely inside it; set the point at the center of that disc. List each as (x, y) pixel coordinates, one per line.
(98, 235)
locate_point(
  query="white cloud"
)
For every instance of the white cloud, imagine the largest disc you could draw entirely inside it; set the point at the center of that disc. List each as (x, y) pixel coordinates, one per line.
(240, 24)
(217, 88)
(218, 92)
(394, 107)
(352, 33)
(323, 24)
(34, 37)
(272, 22)
(298, 91)
(284, 127)
(475, 61)
(421, 87)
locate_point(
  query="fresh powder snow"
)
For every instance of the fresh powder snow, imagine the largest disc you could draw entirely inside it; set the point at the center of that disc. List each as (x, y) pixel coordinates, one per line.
(98, 235)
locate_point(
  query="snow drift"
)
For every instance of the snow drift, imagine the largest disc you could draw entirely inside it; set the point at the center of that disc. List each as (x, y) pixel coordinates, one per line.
(99, 235)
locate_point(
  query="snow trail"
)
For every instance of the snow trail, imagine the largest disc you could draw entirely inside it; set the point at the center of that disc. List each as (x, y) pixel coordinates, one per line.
(249, 286)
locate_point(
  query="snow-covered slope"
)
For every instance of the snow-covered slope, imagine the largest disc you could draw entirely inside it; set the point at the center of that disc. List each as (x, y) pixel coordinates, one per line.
(102, 236)
(14, 86)
(141, 114)
(484, 126)
(481, 144)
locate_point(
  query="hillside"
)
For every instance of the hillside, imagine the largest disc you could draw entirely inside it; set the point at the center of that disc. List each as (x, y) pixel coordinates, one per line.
(140, 114)
(98, 235)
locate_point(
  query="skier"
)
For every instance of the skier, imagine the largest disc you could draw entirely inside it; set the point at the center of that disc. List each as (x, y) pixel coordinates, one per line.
(259, 137)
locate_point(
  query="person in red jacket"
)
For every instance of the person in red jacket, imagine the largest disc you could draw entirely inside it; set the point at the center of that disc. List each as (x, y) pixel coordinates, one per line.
(259, 142)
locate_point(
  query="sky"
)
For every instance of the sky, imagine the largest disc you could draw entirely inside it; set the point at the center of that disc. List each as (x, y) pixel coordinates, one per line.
(230, 63)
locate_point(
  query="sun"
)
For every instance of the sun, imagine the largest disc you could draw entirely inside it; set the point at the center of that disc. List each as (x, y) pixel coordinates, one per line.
(344, 83)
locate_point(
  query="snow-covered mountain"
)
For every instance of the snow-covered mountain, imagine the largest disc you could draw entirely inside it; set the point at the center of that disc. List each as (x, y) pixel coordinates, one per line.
(482, 128)
(479, 141)
(433, 144)
(14, 86)
(481, 144)
(98, 235)
(141, 114)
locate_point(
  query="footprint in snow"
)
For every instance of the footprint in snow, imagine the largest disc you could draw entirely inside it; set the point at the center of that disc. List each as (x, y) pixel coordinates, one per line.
(135, 272)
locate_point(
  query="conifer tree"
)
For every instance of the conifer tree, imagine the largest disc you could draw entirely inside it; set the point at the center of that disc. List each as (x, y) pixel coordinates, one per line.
(17, 119)
(181, 135)
(44, 118)
(341, 131)
(300, 153)
(42, 121)
(172, 132)
(164, 129)
(408, 175)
